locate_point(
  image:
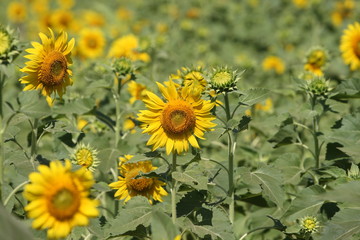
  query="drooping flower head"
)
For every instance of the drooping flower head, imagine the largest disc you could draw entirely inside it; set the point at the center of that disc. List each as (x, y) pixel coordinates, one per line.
(316, 60)
(91, 43)
(48, 68)
(192, 78)
(309, 224)
(350, 46)
(85, 156)
(59, 198)
(274, 63)
(131, 185)
(177, 121)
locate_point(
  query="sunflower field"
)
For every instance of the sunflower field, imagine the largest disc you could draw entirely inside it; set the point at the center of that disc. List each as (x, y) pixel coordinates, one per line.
(180, 120)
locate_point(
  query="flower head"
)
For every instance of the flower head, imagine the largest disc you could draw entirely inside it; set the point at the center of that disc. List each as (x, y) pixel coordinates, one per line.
(350, 46)
(48, 68)
(318, 86)
(316, 60)
(137, 91)
(127, 46)
(223, 80)
(91, 43)
(177, 121)
(9, 48)
(192, 78)
(274, 63)
(16, 12)
(309, 224)
(131, 185)
(85, 156)
(59, 198)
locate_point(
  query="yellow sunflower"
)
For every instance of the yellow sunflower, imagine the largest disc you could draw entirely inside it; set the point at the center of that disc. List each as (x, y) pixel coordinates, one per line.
(274, 63)
(91, 43)
(85, 156)
(192, 78)
(127, 46)
(59, 198)
(48, 68)
(16, 12)
(128, 186)
(350, 46)
(137, 91)
(316, 60)
(5, 40)
(178, 121)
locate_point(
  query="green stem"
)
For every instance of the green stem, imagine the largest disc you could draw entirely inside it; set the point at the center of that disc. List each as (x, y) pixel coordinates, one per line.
(2, 129)
(14, 191)
(227, 107)
(34, 142)
(173, 190)
(315, 129)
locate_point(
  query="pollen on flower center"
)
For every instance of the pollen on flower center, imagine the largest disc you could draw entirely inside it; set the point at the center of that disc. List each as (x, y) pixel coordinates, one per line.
(54, 69)
(84, 157)
(63, 204)
(178, 117)
(222, 77)
(139, 184)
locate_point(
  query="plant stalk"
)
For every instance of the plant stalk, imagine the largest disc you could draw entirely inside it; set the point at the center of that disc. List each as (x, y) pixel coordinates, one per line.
(34, 142)
(315, 129)
(173, 190)
(2, 129)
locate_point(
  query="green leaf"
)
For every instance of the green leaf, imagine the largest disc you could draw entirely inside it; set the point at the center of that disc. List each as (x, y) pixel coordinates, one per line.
(192, 176)
(60, 126)
(291, 167)
(286, 134)
(306, 203)
(344, 225)
(254, 95)
(33, 105)
(12, 228)
(137, 212)
(349, 88)
(346, 193)
(108, 159)
(78, 106)
(162, 227)
(270, 181)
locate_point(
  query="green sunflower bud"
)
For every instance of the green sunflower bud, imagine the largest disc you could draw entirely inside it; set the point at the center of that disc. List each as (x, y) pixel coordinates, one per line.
(318, 86)
(9, 48)
(224, 80)
(123, 66)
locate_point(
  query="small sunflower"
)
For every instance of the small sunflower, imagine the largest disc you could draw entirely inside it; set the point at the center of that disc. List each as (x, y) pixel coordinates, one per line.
(192, 78)
(9, 46)
(85, 156)
(91, 43)
(309, 224)
(137, 91)
(316, 60)
(129, 185)
(350, 46)
(5, 40)
(48, 68)
(93, 18)
(223, 79)
(17, 12)
(59, 198)
(274, 63)
(178, 121)
(127, 46)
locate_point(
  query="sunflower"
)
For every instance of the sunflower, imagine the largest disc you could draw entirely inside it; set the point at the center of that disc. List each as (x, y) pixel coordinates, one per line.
(16, 12)
(178, 121)
(5, 40)
(129, 186)
(192, 78)
(137, 91)
(316, 60)
(93, 18)
(91, 43)
(273, 63)
(85, 156)
(350, 46)
(48, 66)
(309, 224)
(58, 198)
(127, 46)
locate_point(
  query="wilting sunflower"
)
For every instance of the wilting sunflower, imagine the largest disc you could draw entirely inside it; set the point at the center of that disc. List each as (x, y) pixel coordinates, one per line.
(91, 43)
(349, 46)
(85, 156)
(59, 198)
(129, 186)
(48, 68)
(178, 121)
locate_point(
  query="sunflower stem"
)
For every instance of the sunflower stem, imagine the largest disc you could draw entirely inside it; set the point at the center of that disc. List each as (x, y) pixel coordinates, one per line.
(2, 129)
(14, 191)
(34, 142)
(173, 190)
(315, 129)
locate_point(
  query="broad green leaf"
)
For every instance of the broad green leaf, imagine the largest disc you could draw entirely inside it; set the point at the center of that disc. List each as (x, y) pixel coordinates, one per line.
(270, 181)
(77, 106)
(346, 193)
(254, 95)
(192, 176)
(349, 88)
(33, 105)
(344, 225)
(285, 135)
(306, 203)
(109, 159)
(162, 227)
(137, 212)
(291, 167)
(12, 228)
(61, 126)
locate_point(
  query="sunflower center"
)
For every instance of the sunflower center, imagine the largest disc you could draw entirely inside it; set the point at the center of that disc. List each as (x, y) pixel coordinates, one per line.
(178, 117)
(64, 203)
(91, 42)
(54, 69)
(141, 184)
(222, 78)
(84, 157)
(357, 49)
